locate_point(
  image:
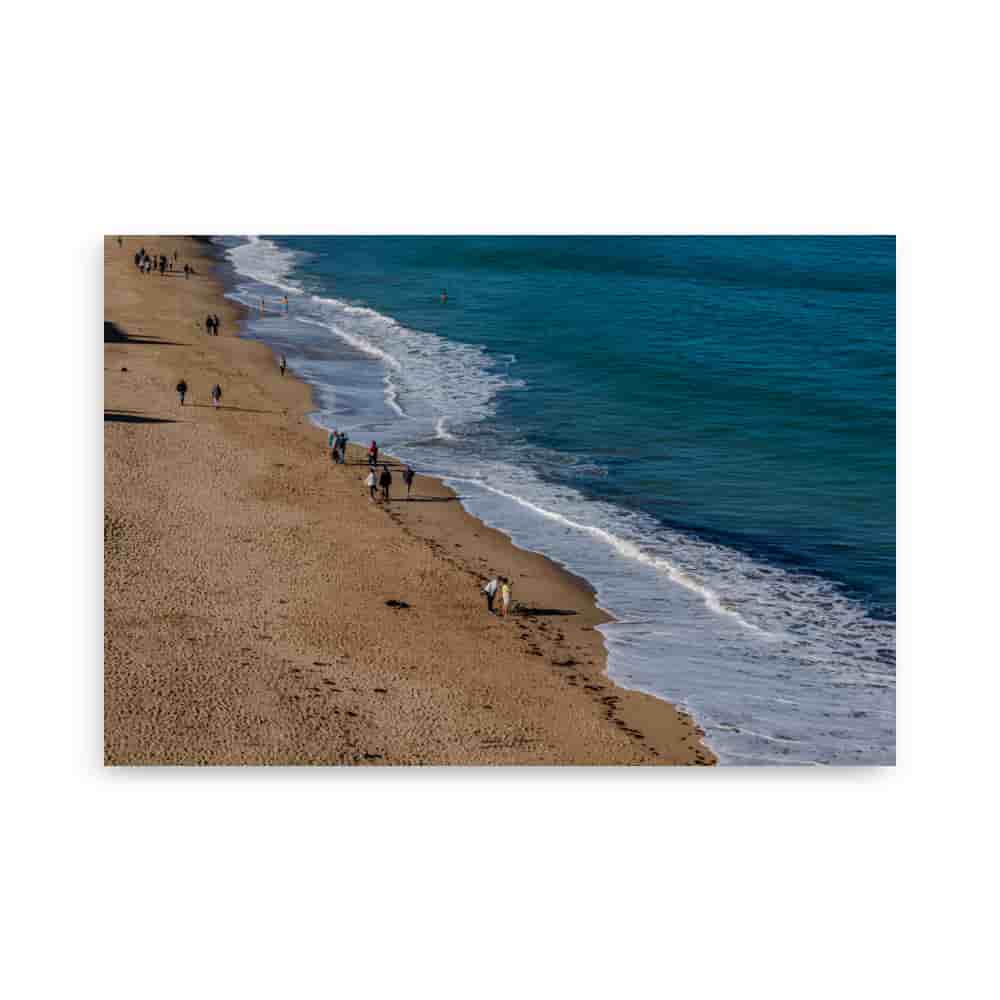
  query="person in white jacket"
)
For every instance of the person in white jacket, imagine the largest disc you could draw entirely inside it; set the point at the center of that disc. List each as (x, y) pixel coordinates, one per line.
(370, 483)
(490, 590)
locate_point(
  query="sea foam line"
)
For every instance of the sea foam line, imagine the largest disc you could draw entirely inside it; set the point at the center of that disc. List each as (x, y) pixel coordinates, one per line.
(441, 431)
(357, 342)
(631, 551)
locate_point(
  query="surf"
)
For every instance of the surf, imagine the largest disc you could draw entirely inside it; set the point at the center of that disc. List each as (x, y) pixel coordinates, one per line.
(704, 625)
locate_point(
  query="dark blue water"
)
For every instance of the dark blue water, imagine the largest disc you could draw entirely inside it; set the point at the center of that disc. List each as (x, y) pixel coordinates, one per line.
(704, 427)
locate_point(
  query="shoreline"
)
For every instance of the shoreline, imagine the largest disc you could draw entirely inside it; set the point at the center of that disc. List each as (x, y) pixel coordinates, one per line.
(437, 682)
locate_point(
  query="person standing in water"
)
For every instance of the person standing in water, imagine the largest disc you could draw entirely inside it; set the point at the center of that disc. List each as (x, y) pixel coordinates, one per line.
(282, 364)
(385, 481)
(216, 394)
(444, 296)
(370, 483)
(408, 479)
(182, 388)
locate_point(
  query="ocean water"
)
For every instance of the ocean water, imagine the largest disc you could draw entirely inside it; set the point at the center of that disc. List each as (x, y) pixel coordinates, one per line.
(702, 427)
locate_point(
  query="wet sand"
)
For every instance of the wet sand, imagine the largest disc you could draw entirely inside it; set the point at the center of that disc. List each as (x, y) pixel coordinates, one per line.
(247, 579)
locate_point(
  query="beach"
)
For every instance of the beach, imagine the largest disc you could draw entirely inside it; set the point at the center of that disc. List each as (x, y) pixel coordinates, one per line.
(247, 579)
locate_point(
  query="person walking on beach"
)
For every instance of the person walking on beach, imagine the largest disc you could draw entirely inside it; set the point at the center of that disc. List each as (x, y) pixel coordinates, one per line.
(370, 483)
(342, 446)
(490, 590)
(208, 324)
(187, 272)
(505, 588)
(216, 394)
(331, 442)
(182, 388)
(373, 454)
(385, 481)
(215, 324)
(408, 479)
(282, 364)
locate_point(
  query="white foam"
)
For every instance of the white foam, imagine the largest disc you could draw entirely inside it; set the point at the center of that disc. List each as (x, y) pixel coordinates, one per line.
(441, 431)
(776, 665)
(630, 551)
(264, 261)
(433, 379)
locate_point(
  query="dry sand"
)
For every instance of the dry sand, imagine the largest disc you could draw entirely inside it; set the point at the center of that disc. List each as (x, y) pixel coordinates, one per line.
(246, 579)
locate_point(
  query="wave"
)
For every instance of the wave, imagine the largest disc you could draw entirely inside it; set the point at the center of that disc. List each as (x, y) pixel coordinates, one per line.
(630, 551)
(441, 432)
(776, 664)
(430, 377)
(265, 261)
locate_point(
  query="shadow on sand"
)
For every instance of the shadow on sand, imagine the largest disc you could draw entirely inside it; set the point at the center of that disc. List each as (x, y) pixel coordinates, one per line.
(128, 417)
(114, 334)
(425, 499)
(238, 409)
(542, 612)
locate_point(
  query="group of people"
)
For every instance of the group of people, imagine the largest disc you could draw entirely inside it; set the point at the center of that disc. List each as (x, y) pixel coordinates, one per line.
(505, 588)
(182, 390)
(384, 478)
(147, 264)
(212, 325)
(337, 443)
(384, 481)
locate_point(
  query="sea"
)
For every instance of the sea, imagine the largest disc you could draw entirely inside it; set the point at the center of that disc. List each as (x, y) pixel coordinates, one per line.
(703, 427)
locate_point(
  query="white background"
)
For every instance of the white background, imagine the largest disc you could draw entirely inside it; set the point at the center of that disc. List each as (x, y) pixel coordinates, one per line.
(505, 117)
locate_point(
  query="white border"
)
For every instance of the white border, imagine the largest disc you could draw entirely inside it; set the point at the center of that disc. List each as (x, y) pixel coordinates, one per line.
(542, 117)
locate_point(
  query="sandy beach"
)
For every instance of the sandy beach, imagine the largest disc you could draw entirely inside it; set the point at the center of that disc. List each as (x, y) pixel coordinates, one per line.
(247, 579)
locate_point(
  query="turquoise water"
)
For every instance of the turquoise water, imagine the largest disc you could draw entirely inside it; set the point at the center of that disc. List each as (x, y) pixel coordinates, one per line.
(703, 427)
